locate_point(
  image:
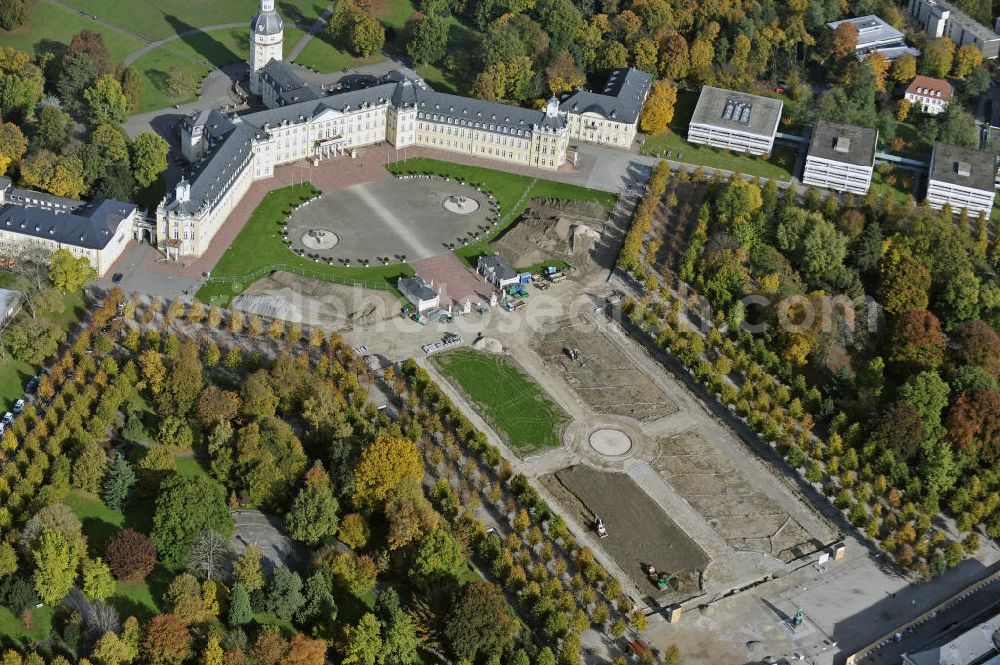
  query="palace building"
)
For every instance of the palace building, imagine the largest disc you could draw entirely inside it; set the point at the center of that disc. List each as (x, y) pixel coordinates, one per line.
(301, 121)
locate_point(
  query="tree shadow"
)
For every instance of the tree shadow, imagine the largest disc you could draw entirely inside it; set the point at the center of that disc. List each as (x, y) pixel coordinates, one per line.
(98, 532)
(214, 51)
(159, 79)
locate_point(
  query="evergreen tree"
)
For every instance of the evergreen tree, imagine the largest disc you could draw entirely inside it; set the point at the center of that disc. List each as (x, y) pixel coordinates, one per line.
(118, 482)
(240, 612)
(284, 594)
(319, 605)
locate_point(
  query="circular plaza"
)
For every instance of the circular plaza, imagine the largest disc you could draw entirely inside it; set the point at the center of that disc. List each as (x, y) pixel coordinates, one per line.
(391, 221)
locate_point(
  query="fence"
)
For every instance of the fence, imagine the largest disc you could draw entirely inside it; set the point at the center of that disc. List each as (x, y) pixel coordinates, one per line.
(253, 276)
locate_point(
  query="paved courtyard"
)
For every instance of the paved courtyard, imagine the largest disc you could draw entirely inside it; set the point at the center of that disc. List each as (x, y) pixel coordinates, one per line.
(392, 218)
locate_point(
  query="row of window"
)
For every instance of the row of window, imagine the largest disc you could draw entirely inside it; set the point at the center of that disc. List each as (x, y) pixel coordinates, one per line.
(503, 129)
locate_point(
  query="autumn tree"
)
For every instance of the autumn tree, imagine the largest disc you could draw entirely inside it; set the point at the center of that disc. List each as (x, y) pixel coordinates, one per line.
(973, 423)
(130, 555)
(59, 175)
(905, 283)
(215, 406)
(106, 103)
(181, 82)
(304, 650)
(149, 158)
(904, 69)
(56, 560)
(98, 582)
(13, 146)
(384, 465)
(967, 58)
(916, 341)
(14, 13)
(563, 75)
(247, 570)
(362, 643)
(91, 45)
(353, 531)
(938, 56)
(166, 641)
(658, 111)
(975, 344)
(843, 41)
(314, 511)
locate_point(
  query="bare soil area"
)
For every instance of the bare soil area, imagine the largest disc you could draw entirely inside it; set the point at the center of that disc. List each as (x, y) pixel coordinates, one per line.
(573, 231)
(746, 518)
(639, 531)
(602, 375)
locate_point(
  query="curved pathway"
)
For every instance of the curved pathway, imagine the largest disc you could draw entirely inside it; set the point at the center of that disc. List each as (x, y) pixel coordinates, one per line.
(135, 55)
(318, 25)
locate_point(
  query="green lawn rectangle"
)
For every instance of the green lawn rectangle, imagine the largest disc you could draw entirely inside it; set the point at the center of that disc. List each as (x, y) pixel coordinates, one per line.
(671, 145)
(523, 413)
(259, 246)
(51, 21)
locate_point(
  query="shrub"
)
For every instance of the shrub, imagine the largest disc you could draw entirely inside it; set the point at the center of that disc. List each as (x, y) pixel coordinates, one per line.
(130, 555)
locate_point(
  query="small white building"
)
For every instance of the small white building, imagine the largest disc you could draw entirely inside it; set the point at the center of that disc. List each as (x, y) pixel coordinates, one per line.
(735, 121)
(841, 157)
(962, 178)
(929, 95)
(496, 271)
(10, 303)
(418, 292)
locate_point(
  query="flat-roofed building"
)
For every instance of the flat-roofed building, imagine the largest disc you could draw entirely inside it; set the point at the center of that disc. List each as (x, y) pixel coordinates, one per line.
(940, 18)
(841, 157)
(930, 95)
(874, 34)
(962, 178)
(735, 121)
(977, 644)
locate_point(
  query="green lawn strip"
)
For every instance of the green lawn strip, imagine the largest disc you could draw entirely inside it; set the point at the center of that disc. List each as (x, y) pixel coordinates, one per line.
(285, 627)
(190, 466)
(202, 53)
(51, 21)
(156, 19)
(322, 56)
(517, 406)
(897, 189)
(293, 36)
(259, 247)
(13, 628)
(674, 146)
(513, 192)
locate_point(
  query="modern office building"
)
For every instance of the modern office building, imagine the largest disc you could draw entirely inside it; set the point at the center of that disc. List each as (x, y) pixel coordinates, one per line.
(38, 222)
(610, 117)
(962, 178)
(841, 157)
(735, 121)
(940, 18)
(874, 34)
(929, 95)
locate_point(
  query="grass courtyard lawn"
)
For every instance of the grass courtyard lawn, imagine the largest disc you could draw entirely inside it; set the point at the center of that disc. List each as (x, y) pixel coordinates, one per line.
(322, 56)
(11, 627)
(156, 19)
(672, 145)
(898, 183)
(201, 53)
(258, 249)
(512, 191)
(517, 406)
(50, 20)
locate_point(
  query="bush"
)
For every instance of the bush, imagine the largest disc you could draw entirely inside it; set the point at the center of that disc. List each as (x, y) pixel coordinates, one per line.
(130, 555)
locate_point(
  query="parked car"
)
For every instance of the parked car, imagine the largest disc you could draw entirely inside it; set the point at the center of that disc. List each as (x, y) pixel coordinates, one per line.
(8, 418)
(117, 277)
(32, 384)
(19, 406)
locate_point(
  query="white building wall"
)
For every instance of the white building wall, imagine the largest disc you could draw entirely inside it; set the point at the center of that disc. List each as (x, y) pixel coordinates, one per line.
(13, 244)
(940, 193)
(595, 128)
(726, 139)
(932, 105)
(837, 175)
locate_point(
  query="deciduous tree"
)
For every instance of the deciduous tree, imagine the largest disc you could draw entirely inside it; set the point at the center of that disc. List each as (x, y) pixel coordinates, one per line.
(186, 507)
(166, 641)
(56, 560)
(480, 622)
(106, 103)
(149, 158)
(384, 465)
(98, 583)
(59, 175)
(429, 39)
(658, 111)
(131, 556)
(916, 341)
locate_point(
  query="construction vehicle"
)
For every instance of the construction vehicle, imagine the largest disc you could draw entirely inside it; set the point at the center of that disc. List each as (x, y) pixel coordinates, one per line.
(664, 580)
(573, 353)
(599, 527)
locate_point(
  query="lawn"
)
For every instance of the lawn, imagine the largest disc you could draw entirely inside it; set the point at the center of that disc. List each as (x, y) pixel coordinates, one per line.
(156, 19)
(50, 20)
(898, 183)
(517, 407)
(258, 249)
(672, 144)
(12, 627)
(513, 192)
(323, 55)
(201, 53)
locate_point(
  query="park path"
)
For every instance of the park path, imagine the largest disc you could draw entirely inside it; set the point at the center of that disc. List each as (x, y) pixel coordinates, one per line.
(155, 44)
(317, 26)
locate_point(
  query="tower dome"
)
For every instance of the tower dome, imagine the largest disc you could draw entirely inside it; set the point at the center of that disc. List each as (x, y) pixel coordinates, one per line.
(267, 22)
